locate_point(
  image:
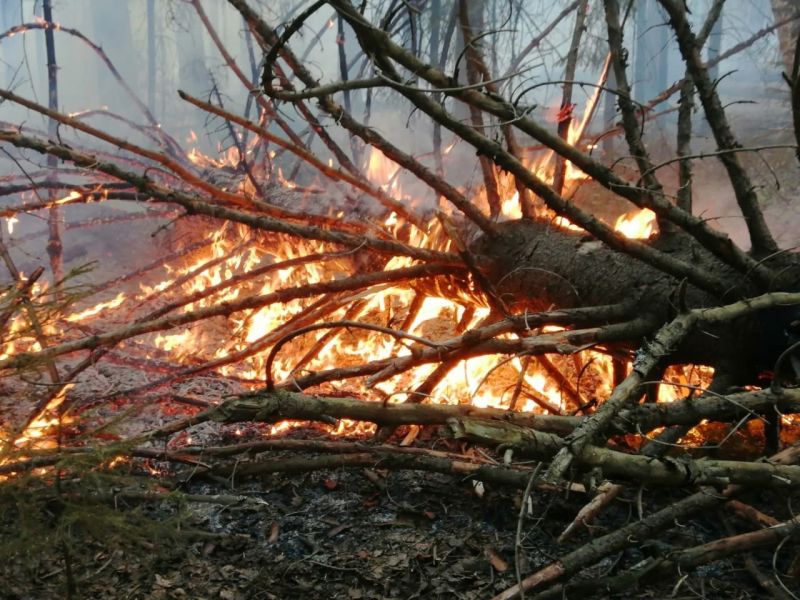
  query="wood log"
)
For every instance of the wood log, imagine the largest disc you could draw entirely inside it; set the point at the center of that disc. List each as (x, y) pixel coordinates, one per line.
(280, 405)
(534, 265)
(634, 467)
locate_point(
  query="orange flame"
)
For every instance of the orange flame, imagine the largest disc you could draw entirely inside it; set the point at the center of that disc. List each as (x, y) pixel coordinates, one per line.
(380, 169)
(41, 425)
(96, 309)
(640, 224)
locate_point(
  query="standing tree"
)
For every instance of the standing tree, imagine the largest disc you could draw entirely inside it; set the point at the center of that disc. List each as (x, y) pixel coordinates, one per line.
(788, 13)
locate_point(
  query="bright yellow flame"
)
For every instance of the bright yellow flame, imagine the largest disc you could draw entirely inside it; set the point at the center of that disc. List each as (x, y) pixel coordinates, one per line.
(73, 195)
(380, 169)
(640, 224)
(42, 423)
(96, 309)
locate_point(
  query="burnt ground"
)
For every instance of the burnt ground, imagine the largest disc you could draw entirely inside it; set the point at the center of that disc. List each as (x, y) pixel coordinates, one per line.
(352, 534)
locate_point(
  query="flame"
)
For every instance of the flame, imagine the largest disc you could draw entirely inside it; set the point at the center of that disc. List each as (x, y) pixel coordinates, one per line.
(511, 207)
(544, 165)
(289, 185)
(37, 433)
(18, 336)
(73, 195)
(380, 169)
(234, 251)
(40, 20)
(96, 309)
(680, 381)
(565, 223)
(637, 225)
(474, 380)
(228, 157)
(481, 381)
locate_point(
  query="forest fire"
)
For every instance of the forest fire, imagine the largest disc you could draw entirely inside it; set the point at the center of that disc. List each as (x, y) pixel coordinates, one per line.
(38, 433)
(638, 225)
(234, 252)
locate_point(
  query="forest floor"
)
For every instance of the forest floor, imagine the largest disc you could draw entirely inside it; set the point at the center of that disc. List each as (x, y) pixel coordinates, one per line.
(351, 534)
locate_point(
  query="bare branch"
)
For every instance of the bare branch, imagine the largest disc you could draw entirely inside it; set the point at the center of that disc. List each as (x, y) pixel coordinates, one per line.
(762, 241)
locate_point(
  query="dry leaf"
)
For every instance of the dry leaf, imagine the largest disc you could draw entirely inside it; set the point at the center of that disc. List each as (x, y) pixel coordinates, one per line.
(274, 531)
(496, 560)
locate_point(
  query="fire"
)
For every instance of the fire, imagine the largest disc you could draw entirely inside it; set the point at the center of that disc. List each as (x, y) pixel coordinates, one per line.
(511, 207)
(449, 148)
(226, 157)
(475, 380)
(237, 344)
(289, 185)
(96, 309)
(640, 224)
(74, 195)
(36, 435)
(565, 224)
(679, 382)
(381, 170)
(38, 19)
(481, 381)
(544, 166)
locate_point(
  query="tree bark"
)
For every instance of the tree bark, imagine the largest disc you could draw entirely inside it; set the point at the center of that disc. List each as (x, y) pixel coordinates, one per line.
(789, 33)
(535, 265)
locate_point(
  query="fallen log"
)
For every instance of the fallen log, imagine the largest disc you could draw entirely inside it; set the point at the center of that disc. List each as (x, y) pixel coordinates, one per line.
(634, 467)
(535, 265)
(278, 405)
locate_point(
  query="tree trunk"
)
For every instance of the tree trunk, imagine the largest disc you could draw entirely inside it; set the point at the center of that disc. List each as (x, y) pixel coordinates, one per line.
(11, 56)
(537, 266)
(789, 33)
(652, 39)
